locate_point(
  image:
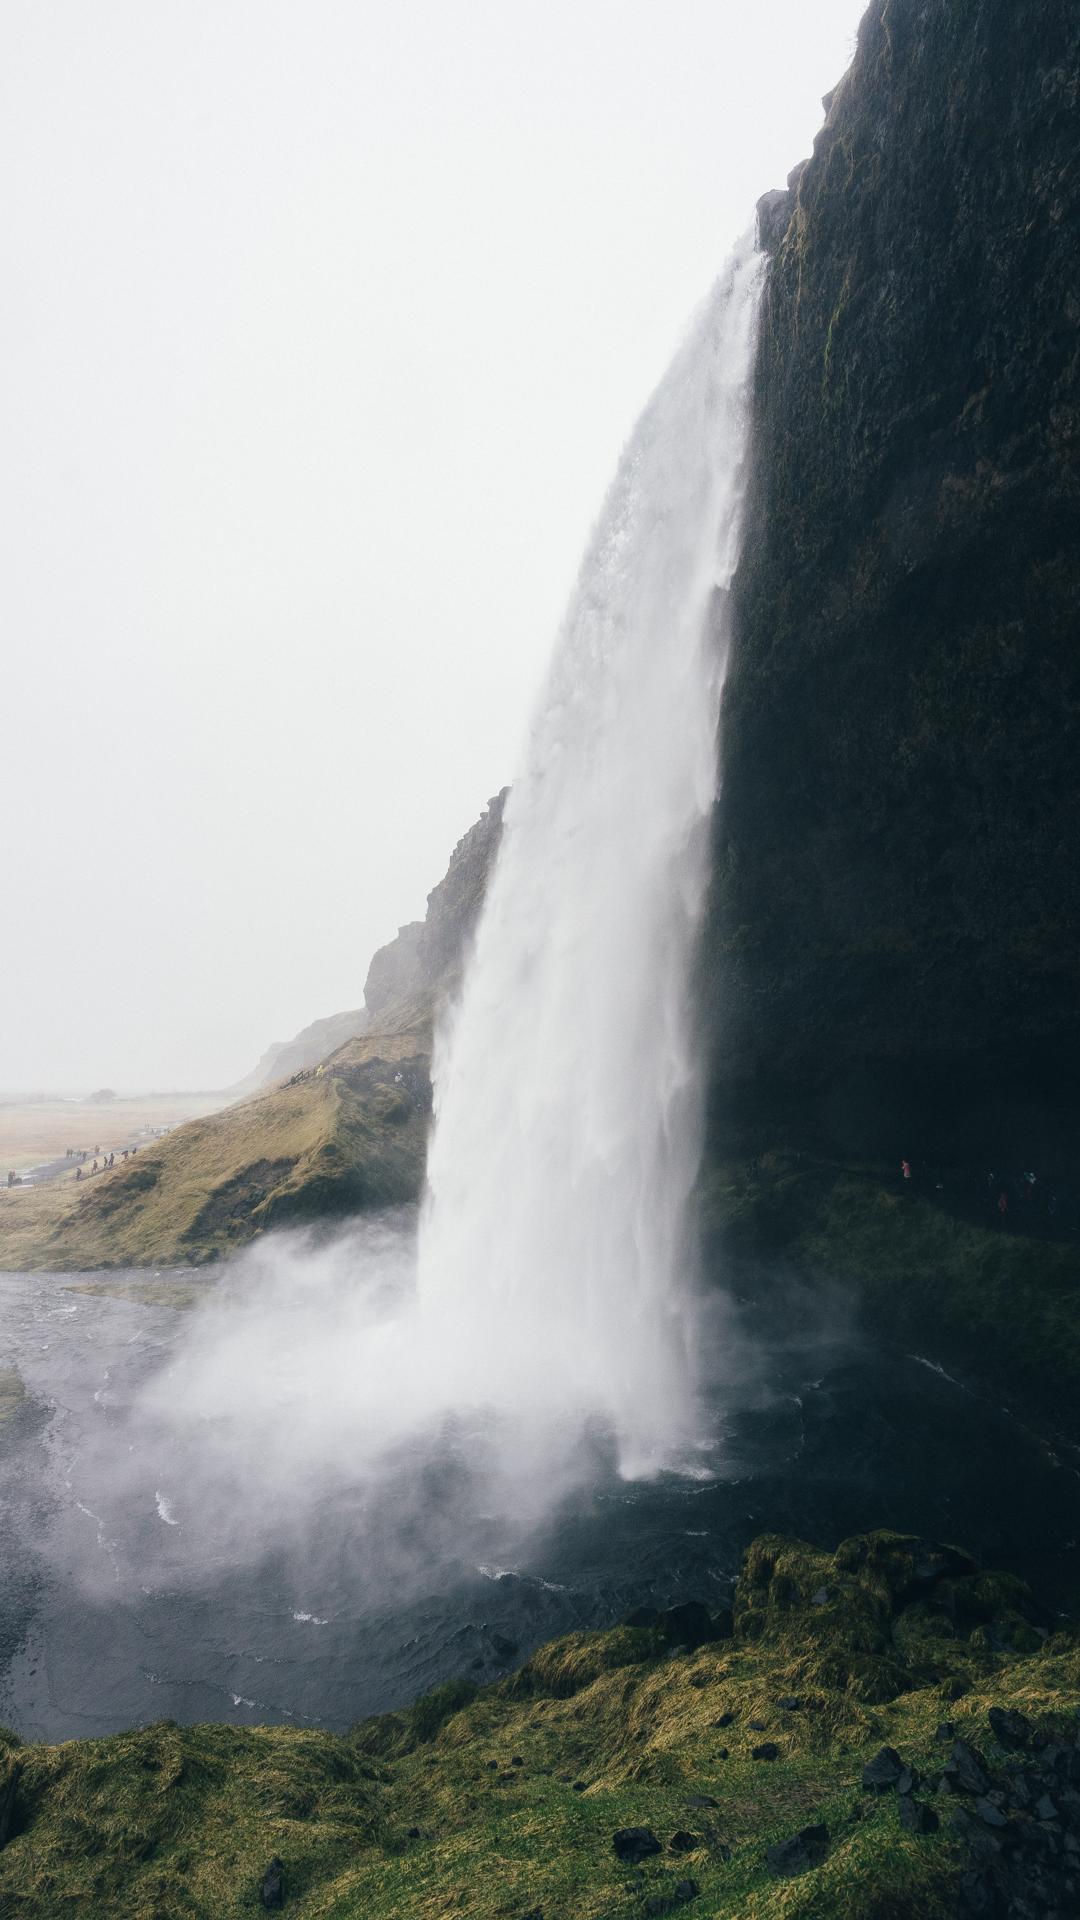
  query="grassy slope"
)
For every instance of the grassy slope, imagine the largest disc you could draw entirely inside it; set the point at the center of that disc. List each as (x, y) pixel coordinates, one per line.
(170, 1822)
(353, 1137)
(1001, 1303)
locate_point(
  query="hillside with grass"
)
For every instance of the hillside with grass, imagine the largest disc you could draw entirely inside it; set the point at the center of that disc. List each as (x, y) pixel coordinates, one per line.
(883, 1731)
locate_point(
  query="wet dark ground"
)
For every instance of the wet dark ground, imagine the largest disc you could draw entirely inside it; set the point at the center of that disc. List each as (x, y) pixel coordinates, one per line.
(116, 1610)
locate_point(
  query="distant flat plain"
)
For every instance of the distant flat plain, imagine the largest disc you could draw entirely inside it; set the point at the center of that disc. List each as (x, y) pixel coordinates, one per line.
(34, 1131)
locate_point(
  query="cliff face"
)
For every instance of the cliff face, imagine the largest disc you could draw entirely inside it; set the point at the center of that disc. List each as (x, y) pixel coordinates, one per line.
(895, 922)
(427, 957)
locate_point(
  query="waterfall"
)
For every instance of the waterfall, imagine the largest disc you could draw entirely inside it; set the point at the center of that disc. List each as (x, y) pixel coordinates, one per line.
(568, 1087)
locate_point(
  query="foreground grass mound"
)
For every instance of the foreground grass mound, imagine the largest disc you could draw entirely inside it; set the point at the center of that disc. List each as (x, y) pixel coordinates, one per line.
(619, 1774)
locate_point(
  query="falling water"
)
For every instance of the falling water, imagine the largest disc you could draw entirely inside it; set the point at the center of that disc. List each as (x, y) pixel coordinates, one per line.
(568, 1087)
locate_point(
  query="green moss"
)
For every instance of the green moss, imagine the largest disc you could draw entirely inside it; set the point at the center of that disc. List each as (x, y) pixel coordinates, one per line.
(426, 1812)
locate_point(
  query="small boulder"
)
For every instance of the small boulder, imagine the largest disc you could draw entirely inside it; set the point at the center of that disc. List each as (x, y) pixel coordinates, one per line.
(990, 1815)
(1009, 1728)
(883, 1771)
(799, 1853)
(700, 1801)
(724, 1720)
(578, 1786)
(908, 1780)
(768, 1750)
(756, 1726)
(789, 1703)
(966, 1769)
(669, 1899)
(632, 1844)
(945, 1733)
(916, 1817)
(273, 1886)
(413, 1833)
(517, 1761)
(821, 1598)
(684, 1842)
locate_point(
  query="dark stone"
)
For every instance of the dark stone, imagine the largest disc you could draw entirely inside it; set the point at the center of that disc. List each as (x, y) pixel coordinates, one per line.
(945, 1732)
(684, 1842)
(1046, 1809)
(493, 1766)
(917, 1817)
(821, 1598)
(668, 1899)
(699, 1801)
(724, 1720)
(768, 1750)
(1009, 1728)
(789, 1703)
(632, 1844)
(413, 1833)
(966, 1768)
(803, 1850)
(908, 1780)
(756, 1726)
(517, 1761)
(578, 1786)
(990, 1815)
(273, 1886)
(883, 1771)
(722, 1752)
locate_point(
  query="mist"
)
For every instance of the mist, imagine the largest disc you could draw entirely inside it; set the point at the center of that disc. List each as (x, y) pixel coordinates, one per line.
(322, 327)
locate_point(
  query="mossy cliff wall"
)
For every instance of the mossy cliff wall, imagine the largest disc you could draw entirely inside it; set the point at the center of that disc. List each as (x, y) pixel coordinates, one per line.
(894, 936)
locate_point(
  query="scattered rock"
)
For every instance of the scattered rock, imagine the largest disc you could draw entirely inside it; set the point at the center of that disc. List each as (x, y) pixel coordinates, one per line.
(273, 1886)
(578, 1786)
(796, 1855)
(699, 1801)
(789, 1703)
(821, 1598)
(756, 1726)
(768, 1750)
(684, 1842)
(668, 1899)
(413, 1833)
(916, 1817)
(493, 1766)
(722, 1752)
(945, 1733)
(908, 1780)
(1009, 1728)
(724, 1720)
(632, 1844)
(1045, 1809)
(966, 1769)
(517, 1761)
(883, 1771)
(989, 1814)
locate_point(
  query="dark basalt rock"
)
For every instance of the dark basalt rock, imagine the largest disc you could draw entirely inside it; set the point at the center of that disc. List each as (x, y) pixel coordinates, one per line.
(768, 1750)
(805, 1849)
(966, 1769)
(273, 1886)
(1009, 1728)
(684, 1842)
(883, 1771)
(917, 1817)
(632, 1844)
(669, 1899)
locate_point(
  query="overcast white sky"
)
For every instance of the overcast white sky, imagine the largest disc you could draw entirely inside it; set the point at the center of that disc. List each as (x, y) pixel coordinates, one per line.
(323, 324)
